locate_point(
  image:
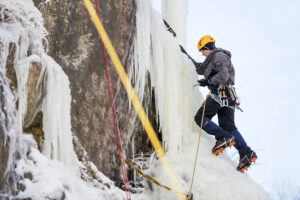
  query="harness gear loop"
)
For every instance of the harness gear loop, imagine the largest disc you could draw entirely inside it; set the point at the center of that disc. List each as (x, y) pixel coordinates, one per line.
(226, 96)
(195, 163)
(237, 99)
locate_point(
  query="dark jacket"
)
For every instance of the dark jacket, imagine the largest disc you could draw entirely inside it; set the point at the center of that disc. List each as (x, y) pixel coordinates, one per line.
(217, 68)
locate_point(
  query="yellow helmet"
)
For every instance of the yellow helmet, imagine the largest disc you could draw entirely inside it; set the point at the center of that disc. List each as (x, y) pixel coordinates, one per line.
(204, 40)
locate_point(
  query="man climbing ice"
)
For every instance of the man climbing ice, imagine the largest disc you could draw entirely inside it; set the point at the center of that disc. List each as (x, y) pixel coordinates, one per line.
(219, 74)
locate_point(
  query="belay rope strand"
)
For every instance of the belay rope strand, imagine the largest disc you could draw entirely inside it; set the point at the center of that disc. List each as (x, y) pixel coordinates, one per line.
(116, 126)
(195, 163)
(190, 195)
(134, 99)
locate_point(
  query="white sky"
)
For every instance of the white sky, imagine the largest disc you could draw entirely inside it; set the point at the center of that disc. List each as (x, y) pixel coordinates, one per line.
(263, 37)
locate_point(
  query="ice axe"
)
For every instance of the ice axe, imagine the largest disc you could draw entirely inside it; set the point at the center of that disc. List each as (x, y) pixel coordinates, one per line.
(169, 28)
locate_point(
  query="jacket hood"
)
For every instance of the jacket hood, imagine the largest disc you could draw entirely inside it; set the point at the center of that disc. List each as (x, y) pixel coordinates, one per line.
(228, 53)
(216, 50)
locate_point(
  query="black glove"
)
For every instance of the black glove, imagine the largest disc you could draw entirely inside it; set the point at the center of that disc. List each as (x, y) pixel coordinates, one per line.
(203, 82)
(182, 49)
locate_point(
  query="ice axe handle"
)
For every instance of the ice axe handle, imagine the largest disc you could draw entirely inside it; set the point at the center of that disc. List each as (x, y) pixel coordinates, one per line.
(169, 28)
(239, 108)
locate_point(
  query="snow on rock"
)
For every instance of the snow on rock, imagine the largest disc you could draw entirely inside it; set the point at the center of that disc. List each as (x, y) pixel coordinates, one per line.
(51, 179)
(177, 101)
(56, 172)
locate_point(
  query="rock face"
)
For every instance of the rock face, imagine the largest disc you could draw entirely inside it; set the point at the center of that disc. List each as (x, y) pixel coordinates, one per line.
(75, 45)
(34, 117)
(32, 121)
(3, 157)
(4, 140)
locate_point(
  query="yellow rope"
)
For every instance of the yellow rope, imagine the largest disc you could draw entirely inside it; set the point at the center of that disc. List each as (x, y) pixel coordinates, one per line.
(134, 99)
(195, 163)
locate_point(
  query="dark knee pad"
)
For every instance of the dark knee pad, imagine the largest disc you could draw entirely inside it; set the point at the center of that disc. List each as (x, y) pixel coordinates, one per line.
(198, 120)
(226, 119)
(211, 110)
(198, 117)
(227, 125)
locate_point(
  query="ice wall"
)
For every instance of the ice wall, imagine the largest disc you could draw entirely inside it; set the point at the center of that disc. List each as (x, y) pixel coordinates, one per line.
(177, 101)
(172, 76)
(175, 12)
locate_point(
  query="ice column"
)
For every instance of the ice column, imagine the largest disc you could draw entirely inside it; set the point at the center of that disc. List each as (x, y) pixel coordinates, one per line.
(172, 75)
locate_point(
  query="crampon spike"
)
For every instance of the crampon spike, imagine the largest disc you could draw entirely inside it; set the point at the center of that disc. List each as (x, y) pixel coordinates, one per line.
(218, 151)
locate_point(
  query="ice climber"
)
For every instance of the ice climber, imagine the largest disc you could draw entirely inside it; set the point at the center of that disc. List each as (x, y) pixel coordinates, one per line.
(219, 74)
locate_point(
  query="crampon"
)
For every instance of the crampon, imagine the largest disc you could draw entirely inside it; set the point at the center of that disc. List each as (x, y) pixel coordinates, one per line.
(221, 144)
(246, 161)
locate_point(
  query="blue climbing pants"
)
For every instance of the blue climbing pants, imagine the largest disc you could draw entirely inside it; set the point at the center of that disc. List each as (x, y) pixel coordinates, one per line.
(226, 122)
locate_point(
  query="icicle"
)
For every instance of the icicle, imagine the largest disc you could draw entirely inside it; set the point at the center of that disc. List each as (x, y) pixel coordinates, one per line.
(7, 104)
(58, 173)
(22, 27)
(56, 119)
(172, 76)
(142, 60)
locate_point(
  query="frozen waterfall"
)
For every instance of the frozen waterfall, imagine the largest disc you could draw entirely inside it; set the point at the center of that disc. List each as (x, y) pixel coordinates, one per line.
(56, 172)
(177, 101)
(172, 76)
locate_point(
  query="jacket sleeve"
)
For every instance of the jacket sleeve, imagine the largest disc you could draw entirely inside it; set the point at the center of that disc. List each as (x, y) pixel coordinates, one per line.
(199, 66)
(221, 64)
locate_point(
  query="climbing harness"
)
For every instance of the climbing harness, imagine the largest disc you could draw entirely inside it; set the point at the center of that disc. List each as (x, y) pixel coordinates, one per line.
(133, 97)
(222, 95)
(226, 96)
(195, 163)
(116, 126)
(234, 96)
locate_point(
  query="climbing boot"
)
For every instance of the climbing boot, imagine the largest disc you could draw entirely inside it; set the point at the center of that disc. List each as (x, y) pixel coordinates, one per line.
(222, 143)
(246, 161)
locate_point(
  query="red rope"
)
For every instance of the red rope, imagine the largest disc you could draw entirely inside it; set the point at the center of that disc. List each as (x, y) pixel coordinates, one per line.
(111, 97)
